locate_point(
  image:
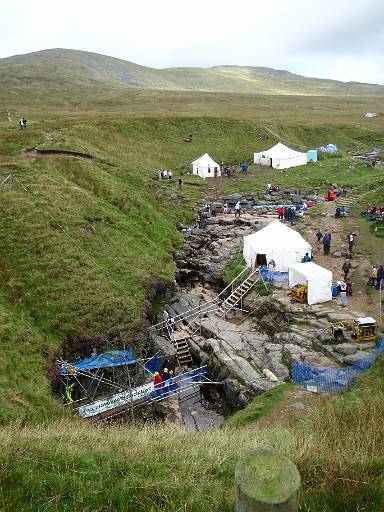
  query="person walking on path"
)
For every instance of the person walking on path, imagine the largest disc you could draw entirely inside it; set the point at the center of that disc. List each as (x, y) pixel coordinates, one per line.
(180, 181)
(346, 268)
(225, 209)
(327, 243)
(351, 240)
(319, 236)
(237, 209)
(343, 294)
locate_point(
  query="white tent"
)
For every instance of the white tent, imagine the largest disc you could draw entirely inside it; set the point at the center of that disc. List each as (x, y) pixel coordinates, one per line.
(278, 242)
(205, 167)
(280, 157)
(319, 281)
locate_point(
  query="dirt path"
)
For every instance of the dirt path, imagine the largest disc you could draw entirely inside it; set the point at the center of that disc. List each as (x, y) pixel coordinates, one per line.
(339, 229)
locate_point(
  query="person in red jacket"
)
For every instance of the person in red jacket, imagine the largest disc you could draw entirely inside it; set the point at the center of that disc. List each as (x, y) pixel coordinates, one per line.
(158, 379)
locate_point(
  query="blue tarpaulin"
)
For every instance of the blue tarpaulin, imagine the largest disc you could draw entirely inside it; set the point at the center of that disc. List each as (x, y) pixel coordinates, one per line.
(153, 365)
(104, 360)
(333, 379)
(329, 148)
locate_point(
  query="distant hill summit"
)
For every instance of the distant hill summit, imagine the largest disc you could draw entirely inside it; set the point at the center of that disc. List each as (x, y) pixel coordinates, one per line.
(64, 69)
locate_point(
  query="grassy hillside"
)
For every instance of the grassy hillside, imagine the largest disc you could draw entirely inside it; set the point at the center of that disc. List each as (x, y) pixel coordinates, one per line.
(49, 70)
(85, 242)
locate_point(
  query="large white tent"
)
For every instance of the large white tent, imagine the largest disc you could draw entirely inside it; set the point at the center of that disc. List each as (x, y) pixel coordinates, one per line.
(319, 281)
(280, 157)
(205, 167)
(276, 241)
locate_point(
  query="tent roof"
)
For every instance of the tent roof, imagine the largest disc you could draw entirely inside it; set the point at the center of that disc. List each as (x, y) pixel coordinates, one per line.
(310, 270)
(205, 160)
(280, 151)
(275, 235)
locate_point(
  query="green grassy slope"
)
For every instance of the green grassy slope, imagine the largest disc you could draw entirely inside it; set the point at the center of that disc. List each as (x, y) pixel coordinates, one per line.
(87, 241)
(59, 68)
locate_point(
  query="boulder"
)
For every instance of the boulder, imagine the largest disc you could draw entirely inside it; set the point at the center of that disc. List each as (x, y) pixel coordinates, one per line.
(164, 348)
(355, 358)
(345, 348)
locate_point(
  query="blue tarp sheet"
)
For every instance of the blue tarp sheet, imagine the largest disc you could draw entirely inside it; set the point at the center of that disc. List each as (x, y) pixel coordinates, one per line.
(104, 360)
(329, 148)
(153, 365)
(333, 379)
(274, 277)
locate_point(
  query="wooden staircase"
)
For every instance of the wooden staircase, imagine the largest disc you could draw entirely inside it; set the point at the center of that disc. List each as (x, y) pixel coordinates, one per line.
(237, 294)
(183, 353)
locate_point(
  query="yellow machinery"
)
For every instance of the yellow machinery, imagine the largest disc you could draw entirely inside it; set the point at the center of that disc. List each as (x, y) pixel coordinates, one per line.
(299, 293)
(364, 329)
(336, 329)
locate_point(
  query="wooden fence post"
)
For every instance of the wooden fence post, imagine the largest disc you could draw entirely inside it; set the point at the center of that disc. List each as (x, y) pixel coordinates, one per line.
(266, 482)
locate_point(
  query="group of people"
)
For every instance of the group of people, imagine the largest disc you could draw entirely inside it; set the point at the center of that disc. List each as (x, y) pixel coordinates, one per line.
(326, 238)
(231, 170)
(23, 123)
(163, 174)
(374, 213)
(334, 192)
(161, 377)
(288, 213)
(340, 212)
(272, 187)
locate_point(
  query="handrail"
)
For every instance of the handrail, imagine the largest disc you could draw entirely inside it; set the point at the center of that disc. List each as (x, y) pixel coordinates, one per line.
(205, 308)
(234, 280)
(200, 309)
(231, 306)
(240, 285)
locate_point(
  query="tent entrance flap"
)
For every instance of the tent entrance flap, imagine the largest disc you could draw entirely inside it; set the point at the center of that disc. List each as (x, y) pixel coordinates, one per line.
(261, 260)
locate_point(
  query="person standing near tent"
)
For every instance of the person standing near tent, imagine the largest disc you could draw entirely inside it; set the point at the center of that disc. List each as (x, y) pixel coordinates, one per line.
(343, 294)
(237, 209)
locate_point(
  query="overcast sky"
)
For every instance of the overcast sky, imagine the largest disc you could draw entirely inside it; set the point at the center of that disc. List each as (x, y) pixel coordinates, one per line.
(341, 39)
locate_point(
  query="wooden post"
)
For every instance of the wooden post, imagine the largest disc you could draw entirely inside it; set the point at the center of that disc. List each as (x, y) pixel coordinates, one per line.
(266, 482)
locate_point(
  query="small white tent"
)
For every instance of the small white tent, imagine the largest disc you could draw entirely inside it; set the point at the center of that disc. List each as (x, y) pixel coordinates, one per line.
(205, 167)
(280, 157)
(319, 281)
(278, 242)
